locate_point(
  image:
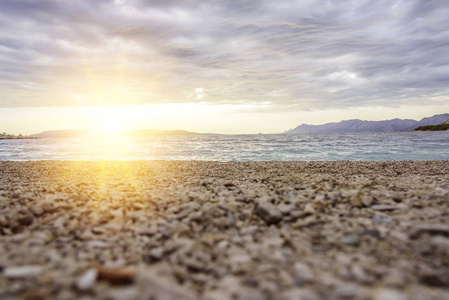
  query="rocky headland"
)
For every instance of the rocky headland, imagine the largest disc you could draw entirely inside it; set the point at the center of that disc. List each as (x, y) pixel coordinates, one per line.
(356, 125)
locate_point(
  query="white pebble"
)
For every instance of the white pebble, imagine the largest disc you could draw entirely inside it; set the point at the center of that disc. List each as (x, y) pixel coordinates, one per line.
(22, 272)
(87, 280)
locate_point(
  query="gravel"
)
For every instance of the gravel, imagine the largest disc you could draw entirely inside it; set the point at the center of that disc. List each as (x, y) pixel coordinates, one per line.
(224, 230)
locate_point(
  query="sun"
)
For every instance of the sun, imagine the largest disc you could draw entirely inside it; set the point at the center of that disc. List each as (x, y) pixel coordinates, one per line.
(105, 127)
(110, 121)
(110, 128)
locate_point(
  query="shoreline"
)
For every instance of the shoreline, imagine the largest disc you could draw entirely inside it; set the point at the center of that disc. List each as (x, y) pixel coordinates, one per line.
(224, 230)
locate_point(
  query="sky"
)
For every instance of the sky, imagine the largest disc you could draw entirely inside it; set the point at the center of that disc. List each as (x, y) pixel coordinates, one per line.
(220, 66)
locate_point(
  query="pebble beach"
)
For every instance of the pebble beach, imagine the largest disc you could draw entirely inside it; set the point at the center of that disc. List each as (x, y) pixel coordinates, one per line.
(224, 230)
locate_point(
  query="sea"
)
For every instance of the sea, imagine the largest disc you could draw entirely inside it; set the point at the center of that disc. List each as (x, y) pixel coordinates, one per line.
(254, 147)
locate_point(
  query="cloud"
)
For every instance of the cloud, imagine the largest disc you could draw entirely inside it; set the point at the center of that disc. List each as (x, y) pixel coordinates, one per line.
(303, 54)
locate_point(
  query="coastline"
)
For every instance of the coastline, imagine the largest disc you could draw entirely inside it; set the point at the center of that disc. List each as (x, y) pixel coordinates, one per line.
(224, 230)
(20, 138)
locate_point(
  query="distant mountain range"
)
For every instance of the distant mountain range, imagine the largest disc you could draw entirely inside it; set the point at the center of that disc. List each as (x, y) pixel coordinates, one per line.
(356, 125)
(89, 132)
(370, 126)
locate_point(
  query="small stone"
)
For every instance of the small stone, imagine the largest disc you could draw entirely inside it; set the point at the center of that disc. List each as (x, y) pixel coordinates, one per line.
(206, 183)
(228, 284)
(430, 276)
(433, 229)
(153, 286)
(22, 271)
(98, 244)
(441, 243)
(123, 293)
(303, 273)
(396, 278)
(300, 294)
(367, 200)
(244, 293)
(37, 210)
(123, 275)
(87, 280)
(381, 219)
(285, 279)
(295, 214)
(346, 291)
(4, 221)
(389, 294)
(383, 207)
(156, 253)
(25, 219)
(268, 212)
(48, 208)
(356, 201)
(309, 209)
(53, 255)
(216, 295)
(360, 275)
(286, 208)
(138, 205)
(350, 239)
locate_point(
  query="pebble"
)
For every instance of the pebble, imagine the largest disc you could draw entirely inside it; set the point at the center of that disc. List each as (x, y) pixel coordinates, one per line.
(350, 239)
(123, 293)
(441, 243)
(87, 280)
(396, 278)
(37, 210)
(25, 219)
(367, 200)
(303, 273)
(286, 208)
(384, 207)
(156, 253)
(381, 219)
(20, 272)
(434, 229)
(347, 291)
(300, 294)
(152, 286)
(430, 276)
(389, 294)
(309, 209)
(123, 275)
(268, 212)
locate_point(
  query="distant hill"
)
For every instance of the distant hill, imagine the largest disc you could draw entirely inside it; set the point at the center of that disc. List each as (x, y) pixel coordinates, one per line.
(130, 132)
(370, 126)
(62, 133)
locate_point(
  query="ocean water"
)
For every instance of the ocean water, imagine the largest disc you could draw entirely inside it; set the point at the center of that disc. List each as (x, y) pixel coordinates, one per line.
(279, 147)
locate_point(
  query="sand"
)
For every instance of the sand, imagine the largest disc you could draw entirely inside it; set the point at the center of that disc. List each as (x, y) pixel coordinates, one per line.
(224, 230)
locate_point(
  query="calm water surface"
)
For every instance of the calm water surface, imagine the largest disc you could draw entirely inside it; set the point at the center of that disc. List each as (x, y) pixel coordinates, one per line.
(348, 146)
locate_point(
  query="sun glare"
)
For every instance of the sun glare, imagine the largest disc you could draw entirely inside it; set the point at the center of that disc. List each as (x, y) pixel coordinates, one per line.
(107, 127)
(110, 128)
(110, 121)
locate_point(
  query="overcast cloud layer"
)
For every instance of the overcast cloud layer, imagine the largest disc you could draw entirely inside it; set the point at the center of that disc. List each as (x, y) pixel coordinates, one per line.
(292, 54)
